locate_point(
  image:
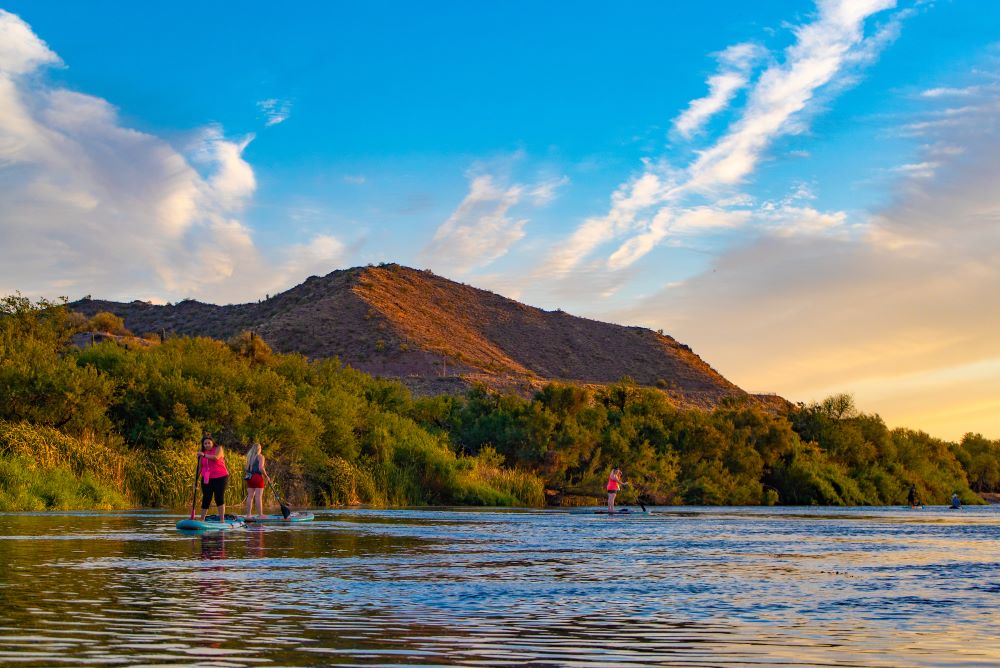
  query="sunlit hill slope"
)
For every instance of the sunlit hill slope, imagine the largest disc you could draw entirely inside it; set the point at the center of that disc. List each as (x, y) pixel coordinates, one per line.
(437, 335)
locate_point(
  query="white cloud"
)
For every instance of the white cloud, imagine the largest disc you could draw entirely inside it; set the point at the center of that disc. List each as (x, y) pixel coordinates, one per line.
(318, 257)
(20, 50)
(627, 202)
(667, 222)
(913, 294)
(789, 220)
(951, 92)
(93, 206)
(543, 193)
(955, 118)
(355, 179)
(735, 66)
(479, 231)
(275, 111)
(784, 90)
(647, 206)
(919, 170)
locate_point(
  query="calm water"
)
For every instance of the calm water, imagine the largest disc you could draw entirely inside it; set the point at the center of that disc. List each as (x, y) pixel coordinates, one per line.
(693, 587)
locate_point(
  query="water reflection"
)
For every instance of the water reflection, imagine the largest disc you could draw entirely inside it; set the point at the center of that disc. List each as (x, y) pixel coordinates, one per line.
(699, 587)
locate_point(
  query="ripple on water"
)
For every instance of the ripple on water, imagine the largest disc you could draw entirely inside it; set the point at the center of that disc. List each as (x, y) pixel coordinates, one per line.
(697, 587)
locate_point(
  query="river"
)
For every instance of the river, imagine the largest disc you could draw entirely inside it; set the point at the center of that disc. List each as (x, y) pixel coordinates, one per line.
(682, 586)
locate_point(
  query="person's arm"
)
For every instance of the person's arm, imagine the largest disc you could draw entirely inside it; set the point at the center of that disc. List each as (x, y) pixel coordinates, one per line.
(263, 468)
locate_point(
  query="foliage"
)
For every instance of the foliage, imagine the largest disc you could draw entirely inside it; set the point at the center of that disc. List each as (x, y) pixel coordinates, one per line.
(106, 425)
(24, 486)
(108, 323)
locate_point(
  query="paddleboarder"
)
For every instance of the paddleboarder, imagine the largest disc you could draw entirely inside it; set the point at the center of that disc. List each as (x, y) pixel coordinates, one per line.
(614, 484)
(912, 497)
(214, 477)
(956, 503)
(255, 473)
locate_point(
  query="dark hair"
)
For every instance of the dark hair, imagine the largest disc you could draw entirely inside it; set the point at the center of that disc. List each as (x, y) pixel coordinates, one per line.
(208, 438)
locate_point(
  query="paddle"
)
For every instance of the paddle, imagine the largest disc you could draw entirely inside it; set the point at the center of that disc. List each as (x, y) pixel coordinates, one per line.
(637, 497)
(285, 512)
(640, 502)
(194, 493)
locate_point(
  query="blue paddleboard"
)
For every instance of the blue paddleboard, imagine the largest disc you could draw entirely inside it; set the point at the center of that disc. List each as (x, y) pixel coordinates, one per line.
(198, 525)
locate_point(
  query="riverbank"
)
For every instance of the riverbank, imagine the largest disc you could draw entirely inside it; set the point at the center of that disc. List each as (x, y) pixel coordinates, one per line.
(126, 421)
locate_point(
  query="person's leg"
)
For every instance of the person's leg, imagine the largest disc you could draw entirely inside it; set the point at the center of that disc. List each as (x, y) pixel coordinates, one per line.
(220, 496)
(258, 494)
(206, 499)
(249, 509)
(611, 502)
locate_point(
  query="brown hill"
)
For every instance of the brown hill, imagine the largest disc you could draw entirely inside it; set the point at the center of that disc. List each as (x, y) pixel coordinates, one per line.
(439, 336)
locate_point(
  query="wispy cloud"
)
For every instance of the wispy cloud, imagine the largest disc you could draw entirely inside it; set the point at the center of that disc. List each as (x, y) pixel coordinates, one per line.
(918, 170)
(275, 111)
(735, 65)
(93, 206)
(824, 56)
(784, 90)
(871, 307)
(950, 92)
(627, 202)
(479, 231)
(491, 218)
(544, 193)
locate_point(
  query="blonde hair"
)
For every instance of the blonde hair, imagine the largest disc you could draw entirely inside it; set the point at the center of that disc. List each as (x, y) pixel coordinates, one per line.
(253, 454)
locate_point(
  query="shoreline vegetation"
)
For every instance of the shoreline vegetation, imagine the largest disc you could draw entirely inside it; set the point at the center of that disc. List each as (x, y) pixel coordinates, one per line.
(115, 424)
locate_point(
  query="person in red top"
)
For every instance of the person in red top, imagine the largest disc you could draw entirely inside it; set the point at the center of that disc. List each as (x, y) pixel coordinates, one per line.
(214, 476)
(255, 473)
(614, 484)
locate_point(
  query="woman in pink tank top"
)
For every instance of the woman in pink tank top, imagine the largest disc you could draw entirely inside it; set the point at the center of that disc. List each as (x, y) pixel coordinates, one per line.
(214, 476)
(614, 484)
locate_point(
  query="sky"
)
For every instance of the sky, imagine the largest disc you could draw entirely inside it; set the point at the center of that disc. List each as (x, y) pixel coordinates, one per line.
(803, 192)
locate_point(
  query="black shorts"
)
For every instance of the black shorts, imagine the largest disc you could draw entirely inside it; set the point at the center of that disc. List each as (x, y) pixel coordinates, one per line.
(216, 487)
(612, 492)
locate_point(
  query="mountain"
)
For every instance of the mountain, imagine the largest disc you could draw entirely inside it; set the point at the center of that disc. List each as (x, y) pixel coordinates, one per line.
(437, 335)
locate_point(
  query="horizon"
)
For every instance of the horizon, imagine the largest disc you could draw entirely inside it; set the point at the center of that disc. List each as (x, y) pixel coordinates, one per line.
(804, 193)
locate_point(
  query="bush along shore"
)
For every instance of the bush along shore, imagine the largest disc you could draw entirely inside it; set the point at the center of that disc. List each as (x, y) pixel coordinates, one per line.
(115, 423)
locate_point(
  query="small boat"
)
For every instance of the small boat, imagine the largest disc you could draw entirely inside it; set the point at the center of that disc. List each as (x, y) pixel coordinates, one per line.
(303, 516)
(210, 524)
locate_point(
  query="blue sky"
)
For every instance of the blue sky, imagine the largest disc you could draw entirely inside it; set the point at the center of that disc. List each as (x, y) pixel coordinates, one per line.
(752, 177)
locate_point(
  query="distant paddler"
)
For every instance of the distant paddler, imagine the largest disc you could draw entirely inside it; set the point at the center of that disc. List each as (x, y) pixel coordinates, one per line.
(255, 473)
(214, 476)
(614, 484)
(956, 503)
(911, 497)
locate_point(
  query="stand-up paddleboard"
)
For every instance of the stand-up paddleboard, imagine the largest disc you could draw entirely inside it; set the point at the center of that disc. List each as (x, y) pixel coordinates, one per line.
(620, 511)
(303, 516)
(198, 525)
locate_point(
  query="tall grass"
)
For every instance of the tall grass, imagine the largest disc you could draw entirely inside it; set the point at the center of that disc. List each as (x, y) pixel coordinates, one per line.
(24, 485)
(44, 469)
(483, 481)
(44, 448)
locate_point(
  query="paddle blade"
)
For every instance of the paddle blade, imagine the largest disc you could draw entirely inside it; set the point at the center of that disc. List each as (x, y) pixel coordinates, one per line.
(285, 512)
